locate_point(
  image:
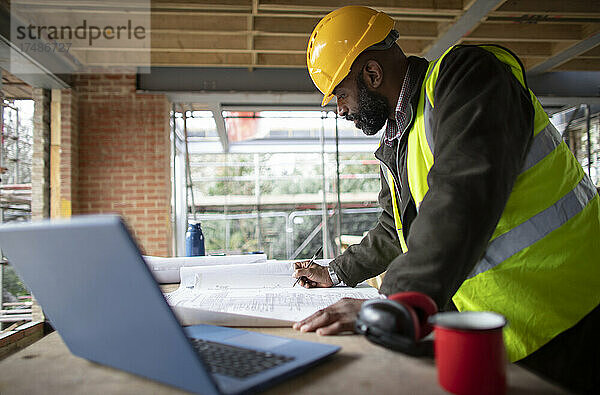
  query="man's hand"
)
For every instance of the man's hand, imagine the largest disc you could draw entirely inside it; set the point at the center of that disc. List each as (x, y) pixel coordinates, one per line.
(339, 317)
(316, 276)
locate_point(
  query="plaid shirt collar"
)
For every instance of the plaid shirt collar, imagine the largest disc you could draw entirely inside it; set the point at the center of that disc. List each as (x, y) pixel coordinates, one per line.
(395, 127)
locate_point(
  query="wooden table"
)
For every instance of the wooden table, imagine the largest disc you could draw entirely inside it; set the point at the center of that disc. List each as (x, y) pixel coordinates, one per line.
(47, 367)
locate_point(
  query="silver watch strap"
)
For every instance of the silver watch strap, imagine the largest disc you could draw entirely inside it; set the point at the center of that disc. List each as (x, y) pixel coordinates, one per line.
(334, 278)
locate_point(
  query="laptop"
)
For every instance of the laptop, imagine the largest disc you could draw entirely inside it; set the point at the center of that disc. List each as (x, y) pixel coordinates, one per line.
(88, 275)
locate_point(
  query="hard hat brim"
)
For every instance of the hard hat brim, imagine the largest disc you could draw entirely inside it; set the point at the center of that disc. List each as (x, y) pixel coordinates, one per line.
(326, 99)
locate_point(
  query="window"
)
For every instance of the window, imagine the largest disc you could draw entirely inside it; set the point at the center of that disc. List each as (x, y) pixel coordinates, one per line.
(266, 193)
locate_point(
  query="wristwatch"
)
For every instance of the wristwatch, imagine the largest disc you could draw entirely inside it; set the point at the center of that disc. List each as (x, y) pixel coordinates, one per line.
(334, 278)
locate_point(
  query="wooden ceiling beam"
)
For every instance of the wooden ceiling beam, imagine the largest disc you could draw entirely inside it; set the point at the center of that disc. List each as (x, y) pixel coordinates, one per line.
(524, 32)
(89, 5)
(275, 43)
(268, 59)
(287, 25)
(423, 6)
(211, 5)
(200, 51)
(589, 29)
(282, 35)
(13, 87)
(154, 4)
(396, 16)
(232, 44)
(214, 59)
(252, 32)
(549, 7)
(414, 29)
(161, 40)
(413, 47)
(541, 19)
(592, 53)
(199, 22)
(523, 48)
(175, 58)
(417, 29)
(196, 33)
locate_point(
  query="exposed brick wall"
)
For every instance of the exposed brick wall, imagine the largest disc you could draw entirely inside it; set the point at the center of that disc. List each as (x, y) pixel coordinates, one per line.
(40, 163)
(124, 157)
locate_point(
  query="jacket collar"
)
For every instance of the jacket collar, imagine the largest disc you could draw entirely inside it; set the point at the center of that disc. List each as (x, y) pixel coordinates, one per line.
(418, 68)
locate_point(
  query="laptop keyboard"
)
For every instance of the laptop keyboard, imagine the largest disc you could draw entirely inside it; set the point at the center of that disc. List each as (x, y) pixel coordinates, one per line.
(236, 361)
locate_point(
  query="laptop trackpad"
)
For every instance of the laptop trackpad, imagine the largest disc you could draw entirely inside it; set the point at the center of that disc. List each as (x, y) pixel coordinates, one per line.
(257, 340)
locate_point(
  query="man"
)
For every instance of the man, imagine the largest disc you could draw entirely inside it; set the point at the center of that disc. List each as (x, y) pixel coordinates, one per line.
(484, 206)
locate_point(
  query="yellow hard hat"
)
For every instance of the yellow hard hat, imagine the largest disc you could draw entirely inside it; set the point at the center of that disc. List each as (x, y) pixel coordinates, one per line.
(337, 41)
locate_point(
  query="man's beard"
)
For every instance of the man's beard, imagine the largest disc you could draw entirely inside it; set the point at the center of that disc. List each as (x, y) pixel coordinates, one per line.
(372, 110)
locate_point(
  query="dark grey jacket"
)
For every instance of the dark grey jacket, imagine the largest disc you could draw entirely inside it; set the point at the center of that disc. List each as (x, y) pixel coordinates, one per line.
(483, 121)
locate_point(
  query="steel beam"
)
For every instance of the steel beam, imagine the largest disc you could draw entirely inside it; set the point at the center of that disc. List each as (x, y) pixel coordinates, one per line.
(554, 101)
(566, 83)
(470, 19)
(566, 55)
(217, 112)
(226, 79)
(29, 70)
(35, 72)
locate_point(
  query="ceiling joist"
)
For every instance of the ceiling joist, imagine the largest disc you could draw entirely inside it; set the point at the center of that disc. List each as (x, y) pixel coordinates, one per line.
(554, 34)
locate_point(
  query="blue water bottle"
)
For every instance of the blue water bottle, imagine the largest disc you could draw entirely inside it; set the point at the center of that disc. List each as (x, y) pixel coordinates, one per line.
(194, 240)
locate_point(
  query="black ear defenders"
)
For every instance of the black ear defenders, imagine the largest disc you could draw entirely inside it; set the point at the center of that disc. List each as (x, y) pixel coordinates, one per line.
(398, 322)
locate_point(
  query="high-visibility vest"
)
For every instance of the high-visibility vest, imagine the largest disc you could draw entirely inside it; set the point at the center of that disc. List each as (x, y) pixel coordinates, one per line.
(541, 268)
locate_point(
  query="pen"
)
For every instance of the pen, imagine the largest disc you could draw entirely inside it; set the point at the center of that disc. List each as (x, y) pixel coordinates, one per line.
(312, 260)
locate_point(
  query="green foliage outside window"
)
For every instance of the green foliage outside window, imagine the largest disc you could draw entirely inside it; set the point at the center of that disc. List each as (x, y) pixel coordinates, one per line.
(280, 175)
(12, 283)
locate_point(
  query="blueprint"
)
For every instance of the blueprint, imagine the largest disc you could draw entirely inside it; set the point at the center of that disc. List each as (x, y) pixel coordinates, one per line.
(259, 294)
(166, 270)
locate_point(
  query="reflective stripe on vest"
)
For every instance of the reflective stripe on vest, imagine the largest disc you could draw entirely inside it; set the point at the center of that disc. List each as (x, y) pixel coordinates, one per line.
(531, 272)
(377, 280)
(397, 219)
(535, 228)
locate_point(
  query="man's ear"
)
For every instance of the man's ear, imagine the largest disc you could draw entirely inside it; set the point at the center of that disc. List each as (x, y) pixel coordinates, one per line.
(373, 74)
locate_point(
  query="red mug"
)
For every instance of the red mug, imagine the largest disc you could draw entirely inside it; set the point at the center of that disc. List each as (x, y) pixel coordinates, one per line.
(470, 353)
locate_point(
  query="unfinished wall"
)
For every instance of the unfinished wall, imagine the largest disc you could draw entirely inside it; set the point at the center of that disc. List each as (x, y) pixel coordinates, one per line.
(63, 151)
(40, 162)
(124, 156)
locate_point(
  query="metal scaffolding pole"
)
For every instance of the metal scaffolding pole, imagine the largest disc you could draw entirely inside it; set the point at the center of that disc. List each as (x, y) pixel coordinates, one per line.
(188, 172)
(589, 140)
(1, 209)
(565, 132)
(173, 184)
(257, 195)
(1, 147)
(339, 198)
(226, 211)
(324, 230)
(17, 175)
